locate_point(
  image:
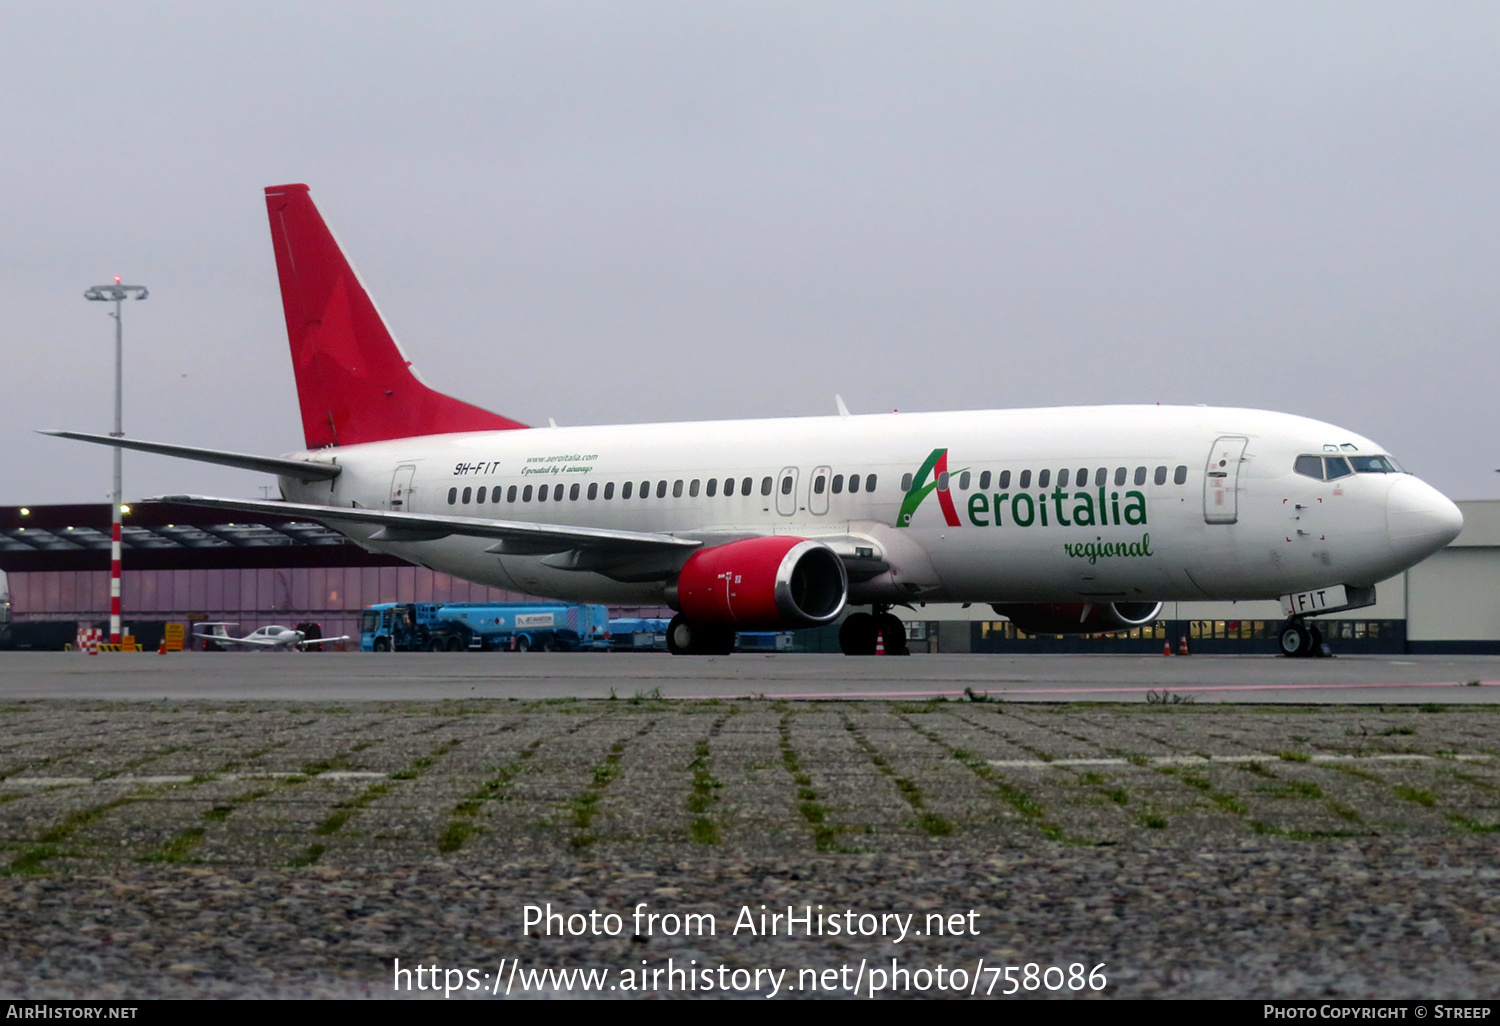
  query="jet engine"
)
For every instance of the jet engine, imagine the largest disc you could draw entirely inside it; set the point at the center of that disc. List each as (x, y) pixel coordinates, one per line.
(1078, 617)
(775, 583)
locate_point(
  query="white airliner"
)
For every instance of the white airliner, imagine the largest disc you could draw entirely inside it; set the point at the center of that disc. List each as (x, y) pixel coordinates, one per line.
(272, 636)
(1075, 519)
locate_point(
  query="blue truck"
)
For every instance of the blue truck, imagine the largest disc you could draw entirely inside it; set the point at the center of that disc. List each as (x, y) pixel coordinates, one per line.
(486, 626)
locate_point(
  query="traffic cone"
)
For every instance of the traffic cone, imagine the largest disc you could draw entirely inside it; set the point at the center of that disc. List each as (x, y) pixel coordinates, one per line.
(1166, 648)
(162, 648)
(879, 643)
(1182, 648)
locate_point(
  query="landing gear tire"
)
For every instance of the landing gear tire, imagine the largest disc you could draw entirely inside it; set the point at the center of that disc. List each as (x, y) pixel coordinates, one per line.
(1298, 639)
(857, 634)
(684, 638)
(892, 634)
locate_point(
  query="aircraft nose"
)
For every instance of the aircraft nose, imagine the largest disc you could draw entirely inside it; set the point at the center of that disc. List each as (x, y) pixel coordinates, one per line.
(1419, 519)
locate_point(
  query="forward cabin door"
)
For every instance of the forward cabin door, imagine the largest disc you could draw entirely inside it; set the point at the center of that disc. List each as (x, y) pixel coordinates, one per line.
(1221, 480)
(401, 487)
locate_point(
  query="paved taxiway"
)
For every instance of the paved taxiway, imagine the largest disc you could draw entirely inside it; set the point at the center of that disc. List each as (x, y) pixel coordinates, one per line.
(353, 677)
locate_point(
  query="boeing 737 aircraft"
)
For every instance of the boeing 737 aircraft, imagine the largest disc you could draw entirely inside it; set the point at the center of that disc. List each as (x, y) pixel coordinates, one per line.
(1066, 520)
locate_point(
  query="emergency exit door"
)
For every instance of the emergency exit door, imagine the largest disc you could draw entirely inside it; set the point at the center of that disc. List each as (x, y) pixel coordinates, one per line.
(1221, 480)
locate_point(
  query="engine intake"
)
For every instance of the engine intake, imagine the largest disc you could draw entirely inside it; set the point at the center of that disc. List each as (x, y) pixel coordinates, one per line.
(1078, 617)
(774, 583)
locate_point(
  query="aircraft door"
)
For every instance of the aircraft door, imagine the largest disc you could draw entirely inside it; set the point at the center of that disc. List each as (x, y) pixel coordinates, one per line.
(817, 494)
(401, 487)
(786, 491)
(1221, 480)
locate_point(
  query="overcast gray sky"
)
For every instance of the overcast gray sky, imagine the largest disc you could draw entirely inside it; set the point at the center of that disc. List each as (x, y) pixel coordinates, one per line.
(628, 212)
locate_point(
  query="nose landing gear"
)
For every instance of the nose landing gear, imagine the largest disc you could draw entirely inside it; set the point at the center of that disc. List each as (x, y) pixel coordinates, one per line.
(1301, 639)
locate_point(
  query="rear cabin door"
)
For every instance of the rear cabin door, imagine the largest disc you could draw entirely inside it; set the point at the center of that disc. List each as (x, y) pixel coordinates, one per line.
(401, 487)
(1221, 480)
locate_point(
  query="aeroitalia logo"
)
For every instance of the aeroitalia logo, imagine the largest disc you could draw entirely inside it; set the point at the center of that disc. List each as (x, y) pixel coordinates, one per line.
(1050, 505)
(936, 465)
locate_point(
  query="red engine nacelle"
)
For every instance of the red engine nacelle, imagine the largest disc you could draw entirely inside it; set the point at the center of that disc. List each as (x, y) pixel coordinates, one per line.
(775, 583)
(1078, 617)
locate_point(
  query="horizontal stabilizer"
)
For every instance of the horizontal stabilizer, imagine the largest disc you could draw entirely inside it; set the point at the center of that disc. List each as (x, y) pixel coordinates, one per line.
(304, 470)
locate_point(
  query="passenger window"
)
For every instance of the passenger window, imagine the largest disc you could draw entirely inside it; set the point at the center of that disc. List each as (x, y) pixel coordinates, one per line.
(510, 494)
(984, 480)
(710, 487)
(661, 488)
(1043, 478)
(1161, 475)
(573, 493)
(1140, 476)
(853, 483)
(676, 488)
(728, 486)
(1309, 466)
(627, 489)
(557, 494)
(943, 481)
(452, 496)
(1004, 479)
(745, 486)
(467, 493)
(526, 495)
(1336, 466)
(1119, 477)
(819, 483)
(693, 488)
(1062, 478)
(905, 483)
(541, 493)
(1180, 476)
(593, 490)
(963, 481)
(869, 482)
(479, 495)
(786, 485)
(609, 490)
(1025, 481)
(1101, 476)
(645, 489)
(838, 484)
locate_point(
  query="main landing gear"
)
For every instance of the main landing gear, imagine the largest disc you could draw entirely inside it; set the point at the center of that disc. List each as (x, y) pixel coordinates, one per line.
(1301, 639)
(685, 638)
(857, 634)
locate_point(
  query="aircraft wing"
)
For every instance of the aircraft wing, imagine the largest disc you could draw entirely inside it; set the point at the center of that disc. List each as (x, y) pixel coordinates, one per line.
(323, 641)
(513, 537)
(306, 470)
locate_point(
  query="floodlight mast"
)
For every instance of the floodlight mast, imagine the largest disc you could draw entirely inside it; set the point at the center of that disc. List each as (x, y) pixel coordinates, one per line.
(116, 293)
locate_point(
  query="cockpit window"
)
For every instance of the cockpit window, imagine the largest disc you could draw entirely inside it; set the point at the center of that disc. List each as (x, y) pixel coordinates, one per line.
(1310, 466)
(1374, 465)
(1336, 466)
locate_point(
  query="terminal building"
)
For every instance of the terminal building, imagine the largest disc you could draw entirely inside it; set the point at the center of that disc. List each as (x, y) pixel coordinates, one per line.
(185, 564)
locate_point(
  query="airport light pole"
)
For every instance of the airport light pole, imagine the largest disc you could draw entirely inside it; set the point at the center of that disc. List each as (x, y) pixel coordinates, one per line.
(117, 294)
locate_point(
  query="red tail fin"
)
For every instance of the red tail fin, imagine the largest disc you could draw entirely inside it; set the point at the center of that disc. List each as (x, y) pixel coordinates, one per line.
(354, 382)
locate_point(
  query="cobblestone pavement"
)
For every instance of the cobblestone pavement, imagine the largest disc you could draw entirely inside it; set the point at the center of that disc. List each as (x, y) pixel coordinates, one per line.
(244, 849)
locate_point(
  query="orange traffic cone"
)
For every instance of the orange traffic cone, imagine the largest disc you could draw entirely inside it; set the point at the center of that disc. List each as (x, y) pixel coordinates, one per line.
(1182, 648)
(879, 643)
(162, 648)
(1166, 648)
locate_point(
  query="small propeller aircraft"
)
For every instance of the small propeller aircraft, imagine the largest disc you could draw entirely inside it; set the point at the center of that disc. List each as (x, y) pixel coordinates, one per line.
(272, 636)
